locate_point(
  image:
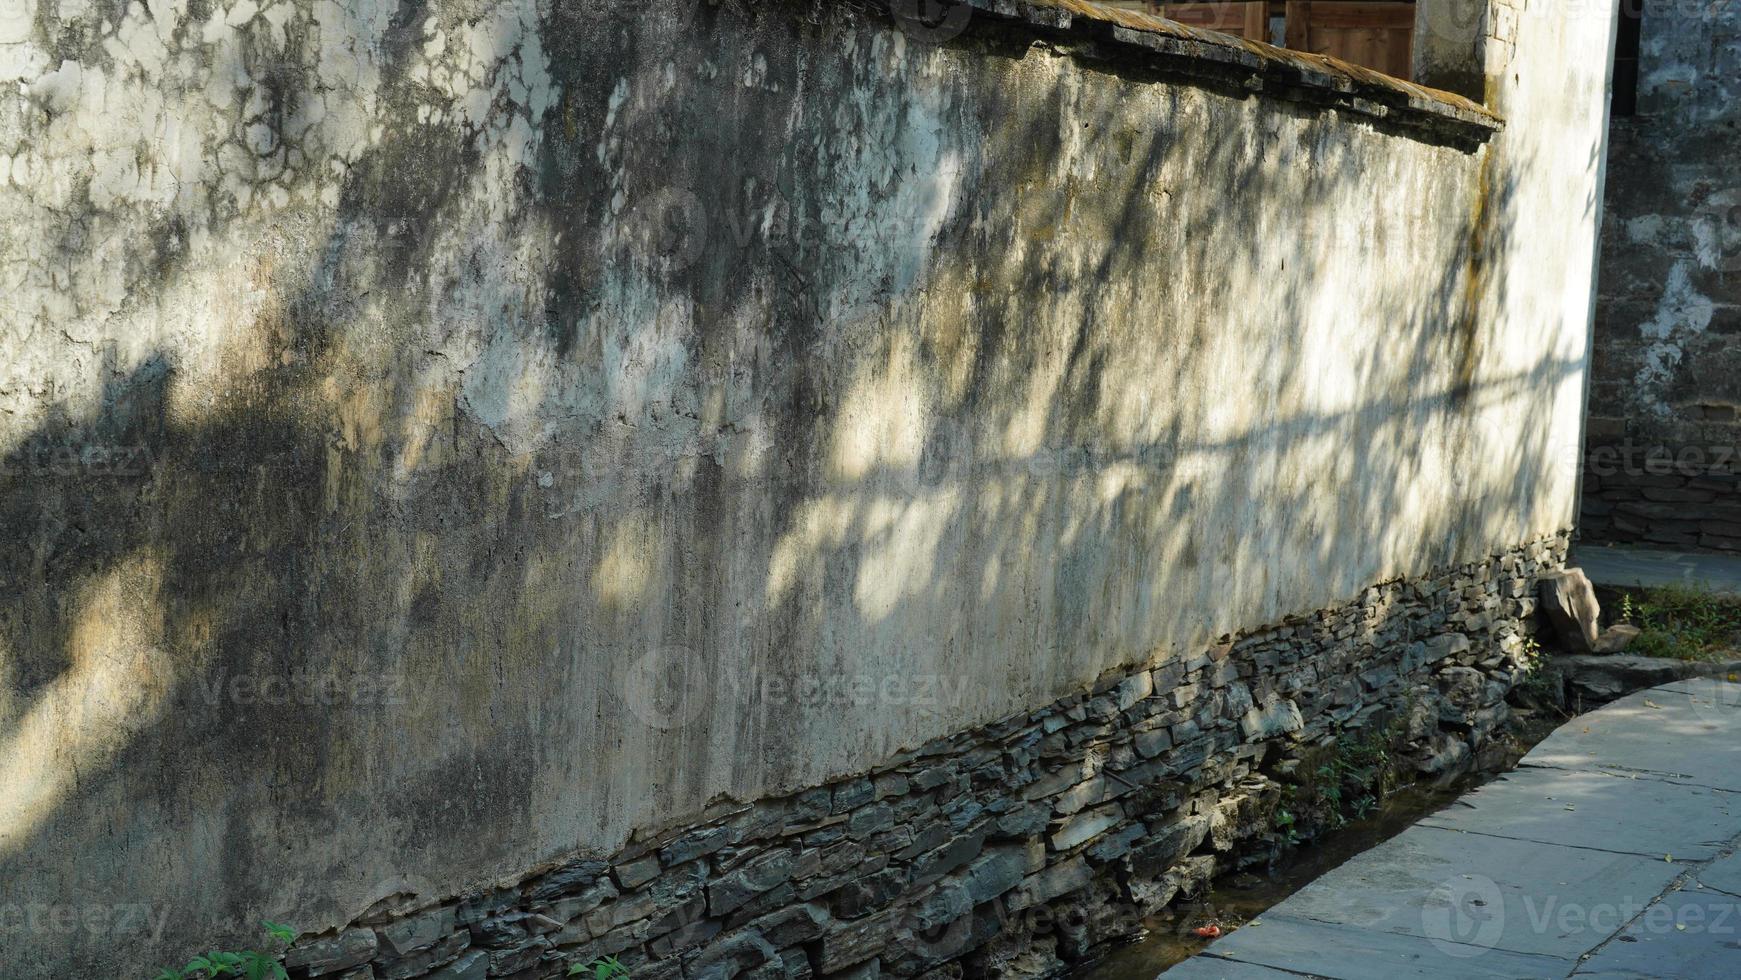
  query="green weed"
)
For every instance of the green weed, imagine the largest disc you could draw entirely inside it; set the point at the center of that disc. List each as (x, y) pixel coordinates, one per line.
(247, 964)
(603, 968)
(1683, 623)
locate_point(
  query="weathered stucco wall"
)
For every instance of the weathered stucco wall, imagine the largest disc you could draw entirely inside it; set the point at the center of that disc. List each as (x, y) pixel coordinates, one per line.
(1665, 434)
(444, 439)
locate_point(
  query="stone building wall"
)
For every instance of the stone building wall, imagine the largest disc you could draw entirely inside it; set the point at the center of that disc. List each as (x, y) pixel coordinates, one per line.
(1021, 847)
(444, 440)
(1663, 447)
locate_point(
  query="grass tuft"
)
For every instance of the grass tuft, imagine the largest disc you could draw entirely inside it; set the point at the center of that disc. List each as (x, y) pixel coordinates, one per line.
(1684, 623)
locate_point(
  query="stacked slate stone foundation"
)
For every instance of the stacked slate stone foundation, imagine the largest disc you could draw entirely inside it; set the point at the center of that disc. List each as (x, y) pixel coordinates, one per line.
(1023, 846)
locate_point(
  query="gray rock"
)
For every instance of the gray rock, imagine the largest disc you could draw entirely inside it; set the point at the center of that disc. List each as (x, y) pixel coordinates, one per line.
(868, 893)
(1604, 677)
(423, 961)
(851, 943)
(791, 926)
(1053, 882)
(1277, 716)
(752, 879)
(637, 873)
(731, 956)
(420, 931)
(853, 794)
(330, 954)
(870, 820)
(474, 965)
(1084, 827)
(568, 909)
(1168, 845)
(1116, 845)
(507, 962)
(698, 844)
(1617, 638)
(948, 857)
(572, 877)
(1444, 647)
(1570, 603)
(1024, 821)
(1133, 689)
(1152, 743)
(999, 870)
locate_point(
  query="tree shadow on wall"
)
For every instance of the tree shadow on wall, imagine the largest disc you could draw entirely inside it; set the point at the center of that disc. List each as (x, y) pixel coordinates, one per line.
(1019, 454)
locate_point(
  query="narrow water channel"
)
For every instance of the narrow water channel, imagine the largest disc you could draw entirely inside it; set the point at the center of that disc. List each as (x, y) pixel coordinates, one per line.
(1234, 900)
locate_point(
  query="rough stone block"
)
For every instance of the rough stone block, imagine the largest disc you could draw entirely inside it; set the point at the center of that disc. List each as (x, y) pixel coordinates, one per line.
(330, 954)
(474, 965)
(1084, 827)
(418, 932)
(1569, 601)
(738, 887)
(1617, 638)
(1275, 717)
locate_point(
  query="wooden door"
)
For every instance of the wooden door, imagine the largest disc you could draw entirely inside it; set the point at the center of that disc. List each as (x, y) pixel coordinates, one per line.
(1377, 35)
(1248, 20)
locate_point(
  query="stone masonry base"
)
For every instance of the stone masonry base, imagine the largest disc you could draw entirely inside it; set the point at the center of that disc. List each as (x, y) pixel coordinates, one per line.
(1023, 846)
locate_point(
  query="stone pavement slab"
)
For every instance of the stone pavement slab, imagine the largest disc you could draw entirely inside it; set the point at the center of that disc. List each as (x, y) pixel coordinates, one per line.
(1350, 953)
(1211, 968)
(1425, 882)
(1625, 568)
(1686, 732)
(1609, 853)
(1723, 874)
(1692, 934)
(1598, 811)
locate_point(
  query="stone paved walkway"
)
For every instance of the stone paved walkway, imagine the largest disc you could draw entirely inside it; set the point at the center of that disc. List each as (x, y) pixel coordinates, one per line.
(1625, 567)
(1609, 853)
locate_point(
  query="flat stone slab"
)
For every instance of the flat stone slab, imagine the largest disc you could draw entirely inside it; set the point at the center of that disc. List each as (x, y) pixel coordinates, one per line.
(1610, 853)
(1692, 934)
(1210, 968)
(1627, 568)
(1723, 874)
(1497, 892)
(1687, 731)
(1599, 811)
(1348, 953)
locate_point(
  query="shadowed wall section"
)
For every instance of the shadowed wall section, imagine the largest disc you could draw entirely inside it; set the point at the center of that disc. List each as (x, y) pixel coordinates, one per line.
(442, 439)
(1663, 463)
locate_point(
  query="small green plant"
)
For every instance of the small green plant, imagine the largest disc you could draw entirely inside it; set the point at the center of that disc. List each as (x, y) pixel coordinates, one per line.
(248, 964)
(1286, 825)
(1530, 659)
(1355, 778)
(603, 968)
(1683, 623)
